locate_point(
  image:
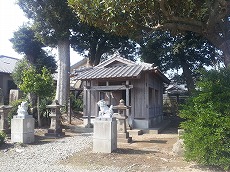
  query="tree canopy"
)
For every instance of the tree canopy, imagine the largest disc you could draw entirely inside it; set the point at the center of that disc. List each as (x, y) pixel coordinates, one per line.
(210, 19)
(189, 52)
(96, 43)
(52, 19)
(25, 42)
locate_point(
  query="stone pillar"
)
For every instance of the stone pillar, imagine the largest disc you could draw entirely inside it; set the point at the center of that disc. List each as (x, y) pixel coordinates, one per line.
(55, 129)
(105, 135)
(22, 125)
(122, 134)
(15, 95)
(4, 125)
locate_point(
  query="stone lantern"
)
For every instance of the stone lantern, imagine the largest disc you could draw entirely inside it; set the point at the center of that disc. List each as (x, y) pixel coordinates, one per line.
(4, 110)
(121, 116)
(55, 129)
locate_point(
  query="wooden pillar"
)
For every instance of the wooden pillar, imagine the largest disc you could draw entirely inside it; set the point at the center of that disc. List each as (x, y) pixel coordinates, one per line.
(127, 97)
(127, 103)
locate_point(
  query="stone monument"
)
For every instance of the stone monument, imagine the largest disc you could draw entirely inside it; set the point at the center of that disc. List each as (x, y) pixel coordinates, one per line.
(105, 130)
(55, 129)
(4, 110)
(122, 134)
(22, 125)
(15, 95)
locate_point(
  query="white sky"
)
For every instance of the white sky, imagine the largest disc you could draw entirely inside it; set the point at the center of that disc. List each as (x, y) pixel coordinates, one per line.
(11, 17)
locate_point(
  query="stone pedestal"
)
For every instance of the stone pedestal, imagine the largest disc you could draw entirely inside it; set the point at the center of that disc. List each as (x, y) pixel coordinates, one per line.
(55, 129)
(4, 110)
(122, 134)
(105, 135)
(22, 129)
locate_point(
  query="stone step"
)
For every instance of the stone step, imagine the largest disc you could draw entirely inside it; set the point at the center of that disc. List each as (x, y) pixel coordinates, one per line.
(124, 140)
(122, 135)
(158, 128)
(135, 132)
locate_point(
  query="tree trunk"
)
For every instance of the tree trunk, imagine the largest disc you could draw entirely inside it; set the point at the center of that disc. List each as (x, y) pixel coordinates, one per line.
(63, 81)
(100, 51)
(188, 77)
(38, 110)
(225, 47)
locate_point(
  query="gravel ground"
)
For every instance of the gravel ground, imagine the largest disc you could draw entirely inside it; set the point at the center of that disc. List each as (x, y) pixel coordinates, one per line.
(44, 157)
(73, 153)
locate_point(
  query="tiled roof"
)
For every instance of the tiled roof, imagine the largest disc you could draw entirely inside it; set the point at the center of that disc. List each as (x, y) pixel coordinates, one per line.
(131, 71)
(124, 69)
(7, 64)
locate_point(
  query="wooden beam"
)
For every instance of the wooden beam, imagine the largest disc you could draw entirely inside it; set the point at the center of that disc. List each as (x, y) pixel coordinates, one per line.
(111, 87)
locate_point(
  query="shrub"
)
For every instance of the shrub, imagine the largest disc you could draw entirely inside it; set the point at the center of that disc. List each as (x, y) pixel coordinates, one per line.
(2, 137)
(207, 125)
(76, 103)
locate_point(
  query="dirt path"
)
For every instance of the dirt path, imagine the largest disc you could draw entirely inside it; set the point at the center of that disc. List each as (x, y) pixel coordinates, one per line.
(147, 153)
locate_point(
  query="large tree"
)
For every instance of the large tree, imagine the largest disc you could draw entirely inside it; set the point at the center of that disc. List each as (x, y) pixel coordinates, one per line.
(52, 21)
(189, 52)
(98, 44)
(209, 19)
(56, 24)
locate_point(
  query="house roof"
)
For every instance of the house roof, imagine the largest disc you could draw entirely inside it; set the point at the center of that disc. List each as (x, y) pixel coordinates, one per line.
(7, 64)
(81, 64)
(174, 88)
(117, 68)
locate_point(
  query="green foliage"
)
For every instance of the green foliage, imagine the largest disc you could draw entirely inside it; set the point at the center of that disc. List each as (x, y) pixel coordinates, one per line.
(76, 103)
(188, 52)
(132, 16)
(17, 73)
(52, 19)
(169, 52)
(2, 137)
(40, 84)
(25, 42)
(96, 43)
(207, 125)
(136, 18)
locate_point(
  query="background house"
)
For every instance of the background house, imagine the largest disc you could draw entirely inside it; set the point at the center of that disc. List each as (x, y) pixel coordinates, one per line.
(140, 85)
(7, 65)
(76, 85)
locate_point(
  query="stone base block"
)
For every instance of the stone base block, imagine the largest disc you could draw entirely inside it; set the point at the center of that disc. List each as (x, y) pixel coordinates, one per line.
(105, 135)
(55, 133)
(135, 132)
(147, 123)
(104, 146)
(22, 124)
(124, 138)
(85, 120)
(22, 129)
(22, 137)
